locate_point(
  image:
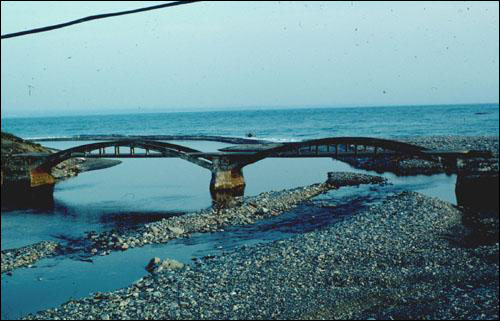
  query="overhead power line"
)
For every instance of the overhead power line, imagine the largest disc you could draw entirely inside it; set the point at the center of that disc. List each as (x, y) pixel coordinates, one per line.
(93, 17)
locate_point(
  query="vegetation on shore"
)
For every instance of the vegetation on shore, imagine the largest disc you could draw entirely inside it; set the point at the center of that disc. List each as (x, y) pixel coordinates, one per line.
(12, 144)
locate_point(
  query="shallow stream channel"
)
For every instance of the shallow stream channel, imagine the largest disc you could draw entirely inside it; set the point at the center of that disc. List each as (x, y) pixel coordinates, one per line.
(143, 190)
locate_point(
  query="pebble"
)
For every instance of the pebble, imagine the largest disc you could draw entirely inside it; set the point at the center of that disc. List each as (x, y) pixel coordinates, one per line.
(27, 255)
(398, 251)
(395, 251)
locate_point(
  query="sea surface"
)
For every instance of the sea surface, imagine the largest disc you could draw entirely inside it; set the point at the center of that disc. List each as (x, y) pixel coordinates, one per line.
(282, 124)
(144, 190)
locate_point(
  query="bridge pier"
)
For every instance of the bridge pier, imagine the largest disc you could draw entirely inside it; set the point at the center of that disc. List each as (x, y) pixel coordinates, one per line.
(476, 187)
(227, 176)
(450, 164)
(229, 179)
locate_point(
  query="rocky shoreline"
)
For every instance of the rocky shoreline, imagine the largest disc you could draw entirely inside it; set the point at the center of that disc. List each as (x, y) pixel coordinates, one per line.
(12, 145)
(402, 165)
(249, 211)
(73, 167)
(489, 143)
(402, 259)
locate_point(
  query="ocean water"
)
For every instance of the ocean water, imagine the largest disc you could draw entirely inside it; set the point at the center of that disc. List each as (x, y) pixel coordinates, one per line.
(283, 124)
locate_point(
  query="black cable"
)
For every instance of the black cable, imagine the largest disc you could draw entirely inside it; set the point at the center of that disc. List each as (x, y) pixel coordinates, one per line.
(94, 17)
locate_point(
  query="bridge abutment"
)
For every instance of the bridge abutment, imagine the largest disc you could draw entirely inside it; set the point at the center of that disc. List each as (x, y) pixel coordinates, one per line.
(27, 188)
(477, 188)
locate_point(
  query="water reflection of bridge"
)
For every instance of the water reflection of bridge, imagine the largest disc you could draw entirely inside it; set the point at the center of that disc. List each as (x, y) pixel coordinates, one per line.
(226, 164)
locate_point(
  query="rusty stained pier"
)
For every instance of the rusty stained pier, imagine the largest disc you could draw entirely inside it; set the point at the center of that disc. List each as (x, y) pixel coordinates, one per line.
(226, 164)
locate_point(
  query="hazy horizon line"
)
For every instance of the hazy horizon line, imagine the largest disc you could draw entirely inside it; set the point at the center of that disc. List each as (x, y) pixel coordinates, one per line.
(133, 111)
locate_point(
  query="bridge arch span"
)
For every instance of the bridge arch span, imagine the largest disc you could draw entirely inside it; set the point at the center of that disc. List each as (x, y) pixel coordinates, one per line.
(164, 148)
(376, 143)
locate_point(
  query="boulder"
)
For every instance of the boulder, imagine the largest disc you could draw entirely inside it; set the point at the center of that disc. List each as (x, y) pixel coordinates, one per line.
(172, 264)
(176, 230)
(153, 263)
(156, 265)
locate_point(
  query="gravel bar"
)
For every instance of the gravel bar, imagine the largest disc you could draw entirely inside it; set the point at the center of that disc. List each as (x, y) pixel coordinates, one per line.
(249, 210)
(27, 255)
(401, 259)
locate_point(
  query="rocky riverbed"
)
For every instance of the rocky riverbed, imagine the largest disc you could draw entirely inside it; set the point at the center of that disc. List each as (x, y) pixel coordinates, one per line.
(248, 211)
(402, 259)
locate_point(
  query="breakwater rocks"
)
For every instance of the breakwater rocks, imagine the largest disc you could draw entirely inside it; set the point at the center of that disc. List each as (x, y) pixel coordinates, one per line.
(222, 139)
(247, 211)
(403, 165)
(392, 261)
(27, 255)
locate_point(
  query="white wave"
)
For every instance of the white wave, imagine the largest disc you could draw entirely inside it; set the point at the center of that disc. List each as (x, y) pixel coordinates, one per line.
(271, 139)
(41, 138)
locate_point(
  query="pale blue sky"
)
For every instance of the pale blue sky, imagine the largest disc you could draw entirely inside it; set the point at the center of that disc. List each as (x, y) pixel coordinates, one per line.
(239, 55)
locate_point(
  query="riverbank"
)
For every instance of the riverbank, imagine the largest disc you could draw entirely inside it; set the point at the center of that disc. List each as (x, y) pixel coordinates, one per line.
(403, 259)
(248, 211)
(12, 145)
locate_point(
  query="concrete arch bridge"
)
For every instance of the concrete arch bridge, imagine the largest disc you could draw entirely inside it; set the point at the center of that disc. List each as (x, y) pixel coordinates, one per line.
(226, 164)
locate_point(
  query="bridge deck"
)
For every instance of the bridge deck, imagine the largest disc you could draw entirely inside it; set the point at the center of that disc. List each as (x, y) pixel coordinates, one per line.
(312, 153)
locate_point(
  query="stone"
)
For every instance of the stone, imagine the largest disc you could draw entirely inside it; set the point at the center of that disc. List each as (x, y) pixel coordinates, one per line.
(176, 230)
(172, 264)
(153, 263)
(155, 230)
(157, 269)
